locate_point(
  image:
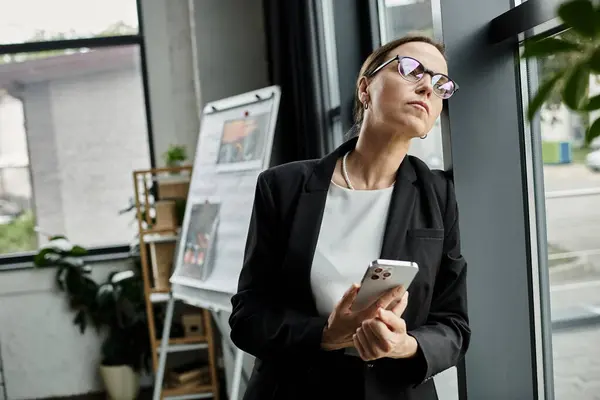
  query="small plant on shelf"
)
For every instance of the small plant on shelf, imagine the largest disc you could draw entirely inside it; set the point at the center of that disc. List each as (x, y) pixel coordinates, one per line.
(175, 156)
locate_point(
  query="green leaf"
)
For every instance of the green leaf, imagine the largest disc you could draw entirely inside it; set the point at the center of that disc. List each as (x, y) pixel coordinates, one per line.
(549, 46)
(542, 94)
(58, 237)
(77, 251)
(60, 278)
(579, 15)
(80, 321)
(576, 87)
(595, 60)
(40, 259)
(73, 281)
(593, 132)
(592, 104)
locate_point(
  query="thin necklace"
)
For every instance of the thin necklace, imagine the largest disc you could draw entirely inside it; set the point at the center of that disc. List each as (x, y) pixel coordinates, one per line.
(345, 172)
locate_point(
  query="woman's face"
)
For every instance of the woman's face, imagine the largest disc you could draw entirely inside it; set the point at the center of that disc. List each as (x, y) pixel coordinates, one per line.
(399, 105)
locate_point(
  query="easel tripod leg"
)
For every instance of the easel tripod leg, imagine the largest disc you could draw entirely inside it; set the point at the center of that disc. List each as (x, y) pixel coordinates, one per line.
(237, 374)
(164, 344)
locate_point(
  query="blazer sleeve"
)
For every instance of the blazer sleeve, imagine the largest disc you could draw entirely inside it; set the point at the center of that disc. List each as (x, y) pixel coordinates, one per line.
(260, 322)
(444, 338)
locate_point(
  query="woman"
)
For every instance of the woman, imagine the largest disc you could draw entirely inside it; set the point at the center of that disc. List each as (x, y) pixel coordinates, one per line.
(317, 224)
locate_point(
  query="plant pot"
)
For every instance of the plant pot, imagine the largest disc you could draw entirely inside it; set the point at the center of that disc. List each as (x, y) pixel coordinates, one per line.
(121, 382)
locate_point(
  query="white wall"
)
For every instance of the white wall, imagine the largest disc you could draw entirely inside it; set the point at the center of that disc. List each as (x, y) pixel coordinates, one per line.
(231, 43)
(228, 44)
(175, 116)
(86, 134)
(43, 353)
(100, 139)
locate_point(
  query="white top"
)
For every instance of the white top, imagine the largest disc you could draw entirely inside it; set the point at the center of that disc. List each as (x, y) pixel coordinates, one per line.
(350, 238)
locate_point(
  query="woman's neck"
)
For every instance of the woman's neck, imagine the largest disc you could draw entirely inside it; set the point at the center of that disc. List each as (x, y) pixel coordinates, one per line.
(374, 162)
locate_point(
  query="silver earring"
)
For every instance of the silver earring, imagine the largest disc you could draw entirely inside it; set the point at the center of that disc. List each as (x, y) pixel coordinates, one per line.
(366, 105)
(423, 137)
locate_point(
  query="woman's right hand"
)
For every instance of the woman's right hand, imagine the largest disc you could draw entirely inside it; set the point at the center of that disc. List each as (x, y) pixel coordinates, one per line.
(343, 322)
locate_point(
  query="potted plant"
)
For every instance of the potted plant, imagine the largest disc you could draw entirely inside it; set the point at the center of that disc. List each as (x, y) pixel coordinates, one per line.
(121, 310)
(173, 190)
(175, 156)
(115, 308)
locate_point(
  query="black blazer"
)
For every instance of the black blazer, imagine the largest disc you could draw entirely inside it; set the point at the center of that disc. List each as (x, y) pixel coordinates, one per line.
(274, 313)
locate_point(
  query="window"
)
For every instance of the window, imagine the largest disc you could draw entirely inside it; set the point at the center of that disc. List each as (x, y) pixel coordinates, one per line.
(398, 18)
(73, 124)
(36, 20)
(571, 177)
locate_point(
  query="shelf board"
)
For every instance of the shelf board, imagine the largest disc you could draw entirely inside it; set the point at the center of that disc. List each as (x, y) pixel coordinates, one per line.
(202, 390)
(163, 232)
(187, 340)
(177, 348)
(179, 178)
(159, 297)
(159, 238)
(190, 396)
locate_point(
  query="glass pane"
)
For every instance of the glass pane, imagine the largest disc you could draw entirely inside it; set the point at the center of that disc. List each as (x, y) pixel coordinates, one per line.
(72, 130)
(430, 149)
(571, 169)
(406, 16)
(39, 20)
(16, 217)
(398, 18)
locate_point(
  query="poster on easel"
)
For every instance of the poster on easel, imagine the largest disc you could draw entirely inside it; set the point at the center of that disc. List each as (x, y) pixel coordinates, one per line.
(234, 147)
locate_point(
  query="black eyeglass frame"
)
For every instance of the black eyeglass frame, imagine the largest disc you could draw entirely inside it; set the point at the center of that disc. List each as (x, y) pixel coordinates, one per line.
(425, 71)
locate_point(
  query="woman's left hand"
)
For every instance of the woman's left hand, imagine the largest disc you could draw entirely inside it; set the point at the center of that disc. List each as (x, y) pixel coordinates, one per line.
(385, 335)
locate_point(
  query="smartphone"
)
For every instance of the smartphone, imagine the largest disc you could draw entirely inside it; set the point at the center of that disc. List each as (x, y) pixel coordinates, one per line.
(381, 276)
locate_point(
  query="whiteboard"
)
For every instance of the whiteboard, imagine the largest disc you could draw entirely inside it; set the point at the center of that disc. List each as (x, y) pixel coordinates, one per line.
(234, 147)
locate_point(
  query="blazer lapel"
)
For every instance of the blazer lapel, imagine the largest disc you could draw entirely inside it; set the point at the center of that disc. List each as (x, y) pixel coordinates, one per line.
(399, 216)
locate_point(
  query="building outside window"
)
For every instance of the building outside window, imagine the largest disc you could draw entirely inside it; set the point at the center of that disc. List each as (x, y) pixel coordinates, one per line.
(571, 176)
(73, 122)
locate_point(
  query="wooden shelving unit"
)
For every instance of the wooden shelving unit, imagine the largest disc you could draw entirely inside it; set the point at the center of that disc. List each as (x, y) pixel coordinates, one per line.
(146, 196)
(205, 390)
(187, 340)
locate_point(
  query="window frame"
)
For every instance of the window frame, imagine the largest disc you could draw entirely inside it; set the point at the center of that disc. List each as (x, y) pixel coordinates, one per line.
(530, 356)
(24, 260)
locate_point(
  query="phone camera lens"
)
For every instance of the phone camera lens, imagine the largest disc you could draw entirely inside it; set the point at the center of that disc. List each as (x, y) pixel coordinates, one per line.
(374, 277)
(386, 274)
(378, 270)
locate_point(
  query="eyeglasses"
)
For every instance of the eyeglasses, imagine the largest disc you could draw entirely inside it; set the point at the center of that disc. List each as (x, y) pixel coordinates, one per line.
(413, 71)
